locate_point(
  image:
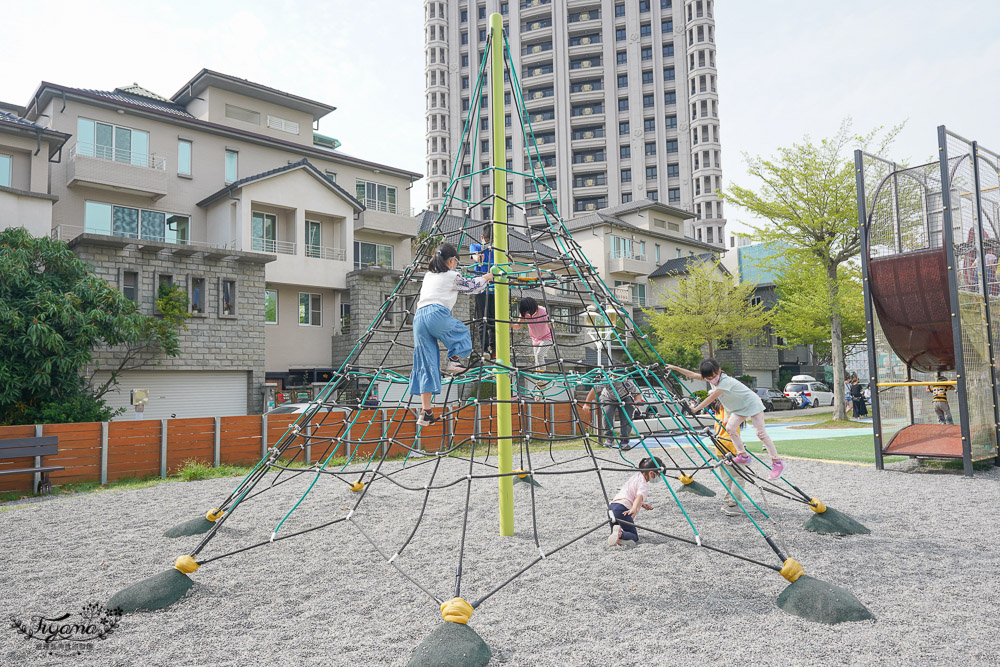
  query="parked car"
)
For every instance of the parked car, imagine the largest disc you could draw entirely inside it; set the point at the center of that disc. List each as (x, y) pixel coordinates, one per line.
(818, 393)
(774, 399)
(299, 408)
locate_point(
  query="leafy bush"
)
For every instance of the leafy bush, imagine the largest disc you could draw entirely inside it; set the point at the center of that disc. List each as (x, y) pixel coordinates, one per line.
(194, 470)
(700, 394)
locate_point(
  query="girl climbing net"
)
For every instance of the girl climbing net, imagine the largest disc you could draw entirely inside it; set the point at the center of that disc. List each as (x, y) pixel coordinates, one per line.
(741, 403)
(433, 323)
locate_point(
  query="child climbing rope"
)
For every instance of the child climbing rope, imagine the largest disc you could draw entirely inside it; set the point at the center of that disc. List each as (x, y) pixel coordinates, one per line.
(433, 323)
(537, 321)
(723, 446)
(940, 400)
(482, 254)
(616, 396)
(741, 403)
(625, 506)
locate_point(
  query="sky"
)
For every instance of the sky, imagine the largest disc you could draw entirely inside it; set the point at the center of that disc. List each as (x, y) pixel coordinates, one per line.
(787, 68)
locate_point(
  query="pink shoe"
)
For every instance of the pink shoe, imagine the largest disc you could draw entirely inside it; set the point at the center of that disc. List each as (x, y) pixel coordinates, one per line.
(742, 458)
(776, 468)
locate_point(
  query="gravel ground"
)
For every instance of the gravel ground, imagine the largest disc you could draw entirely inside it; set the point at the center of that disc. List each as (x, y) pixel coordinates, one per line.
(928, 572)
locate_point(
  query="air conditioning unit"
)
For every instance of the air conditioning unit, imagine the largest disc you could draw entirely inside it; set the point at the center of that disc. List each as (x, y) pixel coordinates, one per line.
(585, 16)
(540, 140)
(538, 94)
(587, 111)
(537, 71)
(591, 207)
(588, 158)
(536, 25)
(589, 182)
(537, 48)
(587, 87)
(539, 118)
(589, 134)
(585, 63)
(585, 40)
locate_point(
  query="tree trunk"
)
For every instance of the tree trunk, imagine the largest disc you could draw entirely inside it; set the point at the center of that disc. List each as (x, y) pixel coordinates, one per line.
(836, 343)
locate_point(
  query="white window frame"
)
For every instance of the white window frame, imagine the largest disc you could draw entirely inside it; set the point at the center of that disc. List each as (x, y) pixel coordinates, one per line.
(375, 203)
(314, 298)
(190, 157)
(89, 148)
(236, 165)
(10, 169)
(282, 124)
(276, 297)
(314, 250)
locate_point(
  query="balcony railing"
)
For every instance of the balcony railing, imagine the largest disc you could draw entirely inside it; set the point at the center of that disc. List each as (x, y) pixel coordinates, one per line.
(324, 252)
(379, 205)
(109, 154)
(270, 245)
(621, 254)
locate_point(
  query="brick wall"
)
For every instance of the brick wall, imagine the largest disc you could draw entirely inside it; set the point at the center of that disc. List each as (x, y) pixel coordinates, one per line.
(212, 341)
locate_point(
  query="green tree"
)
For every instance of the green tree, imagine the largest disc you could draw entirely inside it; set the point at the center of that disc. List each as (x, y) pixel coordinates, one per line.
(685, 357)
(703, 308)
(806, 193)
(802, 315)
(53, 314)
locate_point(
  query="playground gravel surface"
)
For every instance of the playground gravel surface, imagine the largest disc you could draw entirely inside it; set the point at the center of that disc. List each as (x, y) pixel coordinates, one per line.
(927, 572)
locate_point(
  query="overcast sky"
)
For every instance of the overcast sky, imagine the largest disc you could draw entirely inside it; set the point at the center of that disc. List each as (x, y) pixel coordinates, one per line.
(787, 68)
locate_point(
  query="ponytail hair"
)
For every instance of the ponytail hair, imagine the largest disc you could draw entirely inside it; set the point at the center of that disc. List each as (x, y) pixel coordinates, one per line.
(651, 463)
(439, 260)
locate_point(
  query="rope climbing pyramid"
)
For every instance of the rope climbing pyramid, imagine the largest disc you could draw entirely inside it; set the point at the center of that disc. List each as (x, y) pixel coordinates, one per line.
(362, 438)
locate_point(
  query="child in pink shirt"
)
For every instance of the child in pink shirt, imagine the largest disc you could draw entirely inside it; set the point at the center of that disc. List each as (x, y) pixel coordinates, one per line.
(625, 507)
(537, 321)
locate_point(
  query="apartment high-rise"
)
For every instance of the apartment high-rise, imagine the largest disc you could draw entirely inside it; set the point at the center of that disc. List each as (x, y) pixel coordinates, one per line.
(621, 95)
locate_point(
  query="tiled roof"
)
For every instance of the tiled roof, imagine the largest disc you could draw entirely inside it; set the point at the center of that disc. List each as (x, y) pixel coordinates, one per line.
(679, 265)
(452, 225)
(136, 89)
(301, 164)
(120, 95)
(14, 119)
(598, 218)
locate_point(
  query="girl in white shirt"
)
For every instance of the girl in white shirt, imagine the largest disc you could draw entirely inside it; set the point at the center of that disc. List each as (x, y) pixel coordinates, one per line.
(630, 498)
(433, 323)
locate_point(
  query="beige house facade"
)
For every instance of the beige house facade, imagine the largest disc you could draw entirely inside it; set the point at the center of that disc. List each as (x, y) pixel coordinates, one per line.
(26, 149)
(228, 169)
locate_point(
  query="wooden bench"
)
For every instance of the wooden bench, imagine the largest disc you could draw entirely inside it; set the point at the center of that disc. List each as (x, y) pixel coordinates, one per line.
(18, 448)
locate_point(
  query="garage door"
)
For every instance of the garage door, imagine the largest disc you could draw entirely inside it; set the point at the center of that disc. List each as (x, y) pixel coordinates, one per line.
(764, 379)
(183, 393)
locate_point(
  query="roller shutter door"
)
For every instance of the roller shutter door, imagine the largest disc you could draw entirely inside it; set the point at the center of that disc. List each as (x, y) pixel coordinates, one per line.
(183, 393)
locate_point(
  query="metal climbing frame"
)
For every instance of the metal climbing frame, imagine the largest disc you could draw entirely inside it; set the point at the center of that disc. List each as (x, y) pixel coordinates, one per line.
(930, 241)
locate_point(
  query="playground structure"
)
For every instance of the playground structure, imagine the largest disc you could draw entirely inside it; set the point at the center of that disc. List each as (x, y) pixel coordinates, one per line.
(481, 429)
(930, 238)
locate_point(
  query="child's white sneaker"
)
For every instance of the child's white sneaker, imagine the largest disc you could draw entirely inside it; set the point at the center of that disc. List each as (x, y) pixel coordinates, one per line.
(730, 510)
(454, 367)
(426, 418)
(615, 536)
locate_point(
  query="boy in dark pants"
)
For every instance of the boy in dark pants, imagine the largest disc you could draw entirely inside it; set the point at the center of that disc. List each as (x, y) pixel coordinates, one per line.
(940, 400)
(482, 254)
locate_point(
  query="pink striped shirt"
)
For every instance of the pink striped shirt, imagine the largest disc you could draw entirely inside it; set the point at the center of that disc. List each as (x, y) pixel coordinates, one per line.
(635, 486)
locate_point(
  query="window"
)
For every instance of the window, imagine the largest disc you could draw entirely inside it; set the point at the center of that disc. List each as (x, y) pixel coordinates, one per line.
(623, 104)
(626, 175)
(376, 196)
(647, 77)
(270, 306)
(668, 50)
(624, 151)
(585, 86)
(646, 53)
(666, 4)
(112, 142)
(133, 223)
(623, 80)
(673, 170)
(620, 35)
(314, 239)
(464, 16)
(482, 12)
(670, 97)
(674, 195)
(332, 175)
(622, 57)
(645, 30)
(708, 237)
(626, 197)
(619, 10)
(130, 285)
(647, 101)
(674, 227)
(263, 232)
(671, 145)
(282, 124)
(403, 306)
(464, 37)
(370, 254)
(650, 172)
(653, 195)
(650, 148)
(671, 122)
(310, 309)
(197, 304)
(582, 40)
(163, 280)
(465, 60)
(183, 157)
(232, 158)
(643, 6)
(345, 318)
(657, 251)
(623, 127)
(241, 114)
(667, 26)
(668, 74)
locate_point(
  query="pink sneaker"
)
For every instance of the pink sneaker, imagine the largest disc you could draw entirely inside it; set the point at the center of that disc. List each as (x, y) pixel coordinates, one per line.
(742, 458)
(776, 468)
(615, 536)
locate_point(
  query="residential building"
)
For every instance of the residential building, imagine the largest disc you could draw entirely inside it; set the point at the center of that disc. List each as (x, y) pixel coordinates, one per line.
(629, 244)
(26, 149)
(621, 95)
(226, 189)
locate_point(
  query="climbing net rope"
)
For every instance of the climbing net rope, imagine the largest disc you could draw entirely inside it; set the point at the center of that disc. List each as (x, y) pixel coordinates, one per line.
(596, 344)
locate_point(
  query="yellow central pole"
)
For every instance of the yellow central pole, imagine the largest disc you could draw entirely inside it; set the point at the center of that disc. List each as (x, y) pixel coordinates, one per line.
(501, 300)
